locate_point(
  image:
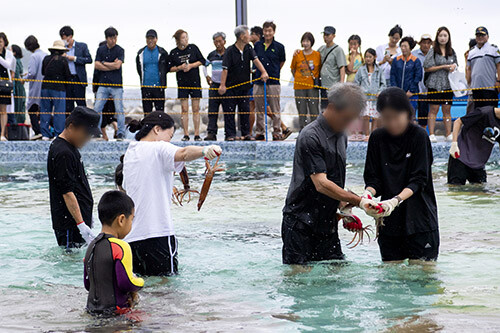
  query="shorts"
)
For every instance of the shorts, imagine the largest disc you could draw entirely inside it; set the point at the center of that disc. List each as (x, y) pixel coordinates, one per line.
(421, 246)
(302, 245)
(194, 92)
(155, 256)
(69, 238)
(436, 98)
(459, 173)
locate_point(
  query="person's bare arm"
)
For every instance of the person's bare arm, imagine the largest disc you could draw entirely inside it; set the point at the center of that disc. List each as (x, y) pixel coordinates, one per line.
(113, 65)
(281, 64)
(468, 74)
(436, 68)
(342, 74)
(457, 126)
(100, 66)
(194, 65)
(223, 79)
(329, 188)
(73, 206)
(189, 153)
(262, 70)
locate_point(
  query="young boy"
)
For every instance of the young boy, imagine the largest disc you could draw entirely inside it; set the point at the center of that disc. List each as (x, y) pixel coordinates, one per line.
(474, 136)
(108, 272)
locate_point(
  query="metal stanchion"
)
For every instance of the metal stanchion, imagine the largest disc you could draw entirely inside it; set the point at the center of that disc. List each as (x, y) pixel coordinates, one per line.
(265, 107)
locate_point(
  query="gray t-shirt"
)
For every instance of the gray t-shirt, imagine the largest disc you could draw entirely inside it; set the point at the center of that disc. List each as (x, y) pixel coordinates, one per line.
(439, 79)
(331, 64)
(474, 142)
(483, 63)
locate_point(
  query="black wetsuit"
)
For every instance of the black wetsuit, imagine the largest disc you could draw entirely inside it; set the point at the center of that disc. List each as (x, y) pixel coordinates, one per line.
(108, 275)
(395, 163)
(309, 228)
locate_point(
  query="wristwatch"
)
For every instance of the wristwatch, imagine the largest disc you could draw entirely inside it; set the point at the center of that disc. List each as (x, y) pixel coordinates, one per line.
(399, 199)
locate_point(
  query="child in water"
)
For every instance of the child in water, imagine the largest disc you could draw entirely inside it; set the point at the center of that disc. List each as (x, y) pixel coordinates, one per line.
(108, 274)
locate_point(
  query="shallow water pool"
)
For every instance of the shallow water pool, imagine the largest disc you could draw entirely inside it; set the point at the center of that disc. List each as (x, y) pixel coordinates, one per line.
(231, 276)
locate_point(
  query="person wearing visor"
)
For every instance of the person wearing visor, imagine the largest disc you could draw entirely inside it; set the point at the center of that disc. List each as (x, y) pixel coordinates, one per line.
(483, 70)
(71, 199)
(152, 67)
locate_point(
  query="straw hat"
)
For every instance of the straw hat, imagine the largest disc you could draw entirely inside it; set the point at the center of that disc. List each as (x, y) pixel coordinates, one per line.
(59, 46)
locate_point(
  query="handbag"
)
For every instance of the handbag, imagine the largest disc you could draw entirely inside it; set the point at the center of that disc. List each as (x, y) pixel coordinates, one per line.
(6, 88)
(458, 83)
(316, 80)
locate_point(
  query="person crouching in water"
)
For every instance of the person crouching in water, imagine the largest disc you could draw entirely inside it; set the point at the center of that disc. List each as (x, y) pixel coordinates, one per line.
(108, 273)
(309, 228)
(148, 174)
(398, 169)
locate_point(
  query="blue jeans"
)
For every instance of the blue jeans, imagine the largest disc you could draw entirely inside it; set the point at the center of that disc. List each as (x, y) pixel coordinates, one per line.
(103, 93)
(56, 102)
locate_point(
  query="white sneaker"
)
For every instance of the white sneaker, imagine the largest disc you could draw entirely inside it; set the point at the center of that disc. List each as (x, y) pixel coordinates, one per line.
(433, 138)
(3, 138)
(44, 138)
(36, 137)
(449, 138)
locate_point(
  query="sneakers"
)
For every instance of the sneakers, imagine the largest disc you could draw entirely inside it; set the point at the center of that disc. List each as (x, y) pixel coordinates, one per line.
(449, 138)
(36, 137)
(120, 137)
(44, 138)
(197, 138)
(3, 138)
(433, 138)
(185, 138)
(211, 137)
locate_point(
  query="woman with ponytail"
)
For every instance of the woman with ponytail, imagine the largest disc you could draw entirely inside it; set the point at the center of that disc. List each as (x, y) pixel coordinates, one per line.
(148, 172)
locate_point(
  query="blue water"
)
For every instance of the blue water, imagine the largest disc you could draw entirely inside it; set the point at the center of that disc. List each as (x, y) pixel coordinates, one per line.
(231, 276)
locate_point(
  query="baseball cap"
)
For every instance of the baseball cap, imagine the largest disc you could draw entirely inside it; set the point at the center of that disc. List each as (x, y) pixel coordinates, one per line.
(481, 31)
(151, 33)
(329, 30)
(424, 37)
(83, 116)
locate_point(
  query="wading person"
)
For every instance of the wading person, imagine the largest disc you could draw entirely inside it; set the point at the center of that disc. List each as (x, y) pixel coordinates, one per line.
(439, 62)
(70, 195)
(148, 173)
(305, 70)
(272, 56)
(483, 69)
(214, 59)
(185, 61)
(152, 67)
(55, 70)
(35, 84)
(398, 169)
(236, 69)
(474, 136)
(108, 63)
(78, 56)
(309, 228)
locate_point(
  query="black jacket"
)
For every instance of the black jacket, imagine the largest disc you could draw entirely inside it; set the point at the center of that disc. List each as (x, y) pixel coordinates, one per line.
(163, 64)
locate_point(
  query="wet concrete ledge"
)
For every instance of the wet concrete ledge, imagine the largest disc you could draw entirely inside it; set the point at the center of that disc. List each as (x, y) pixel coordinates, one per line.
(26, 152)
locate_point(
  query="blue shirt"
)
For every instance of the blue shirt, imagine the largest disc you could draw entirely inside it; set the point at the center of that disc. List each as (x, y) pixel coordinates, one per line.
(271, 58)
(71, 64)
(105, 54)
(150, 67)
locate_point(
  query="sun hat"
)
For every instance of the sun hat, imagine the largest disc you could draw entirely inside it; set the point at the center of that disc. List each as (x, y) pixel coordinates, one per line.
(58, 46)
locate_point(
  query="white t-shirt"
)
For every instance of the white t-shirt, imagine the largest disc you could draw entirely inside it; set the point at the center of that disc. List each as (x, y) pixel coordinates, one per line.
(148, 174)
(386, 67)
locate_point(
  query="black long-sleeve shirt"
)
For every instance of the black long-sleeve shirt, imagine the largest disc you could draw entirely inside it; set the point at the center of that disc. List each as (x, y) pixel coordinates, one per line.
(55, 68)
(394, 163)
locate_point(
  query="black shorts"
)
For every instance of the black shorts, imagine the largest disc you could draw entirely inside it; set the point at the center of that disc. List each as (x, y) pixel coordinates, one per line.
(421, 246)
(437, 98)
(302, 245)
(69, 238)
(194, 92)
(459, 173)
(155, 256)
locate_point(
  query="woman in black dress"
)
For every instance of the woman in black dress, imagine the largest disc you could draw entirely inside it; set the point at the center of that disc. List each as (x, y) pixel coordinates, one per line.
(398, 169)
(7, 66)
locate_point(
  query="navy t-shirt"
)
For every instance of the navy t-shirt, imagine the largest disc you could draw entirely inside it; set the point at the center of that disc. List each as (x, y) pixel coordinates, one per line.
(105, 54)
(271, 57)
(190, 54)
(474, 142)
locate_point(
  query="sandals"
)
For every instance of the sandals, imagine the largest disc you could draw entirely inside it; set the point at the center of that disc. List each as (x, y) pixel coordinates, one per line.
(286, 133)
(197, 138)
(185, 138)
